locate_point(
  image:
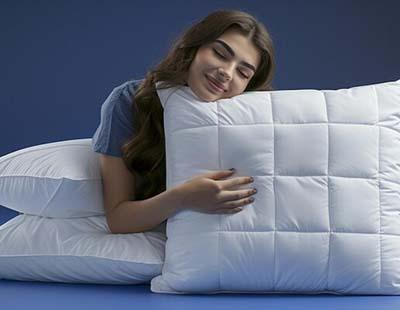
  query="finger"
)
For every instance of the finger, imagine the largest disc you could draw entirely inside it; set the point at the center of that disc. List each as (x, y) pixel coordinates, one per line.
(236, 203)
(215, 175)
(229, 211)
(234, 182)
(228, 195)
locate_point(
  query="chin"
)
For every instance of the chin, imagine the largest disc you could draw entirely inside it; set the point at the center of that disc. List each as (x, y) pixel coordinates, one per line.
(204, 97)
(203, 94)
(209, 99)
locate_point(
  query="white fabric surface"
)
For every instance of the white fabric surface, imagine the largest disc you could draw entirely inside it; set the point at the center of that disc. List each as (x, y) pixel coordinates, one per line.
(60, 179)
(57, 180)
(77, 250)
(326, 218)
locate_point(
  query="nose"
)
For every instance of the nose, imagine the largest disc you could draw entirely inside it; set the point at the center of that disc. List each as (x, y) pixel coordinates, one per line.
(225, 73)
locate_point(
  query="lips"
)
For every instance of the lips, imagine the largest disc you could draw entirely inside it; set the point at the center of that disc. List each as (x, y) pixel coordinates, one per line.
(216, 83)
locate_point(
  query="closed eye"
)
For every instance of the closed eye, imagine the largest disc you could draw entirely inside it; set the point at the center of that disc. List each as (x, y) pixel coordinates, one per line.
(220, 55)
(223, 57)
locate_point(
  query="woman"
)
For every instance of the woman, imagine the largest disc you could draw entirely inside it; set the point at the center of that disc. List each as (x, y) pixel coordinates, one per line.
(223, 55)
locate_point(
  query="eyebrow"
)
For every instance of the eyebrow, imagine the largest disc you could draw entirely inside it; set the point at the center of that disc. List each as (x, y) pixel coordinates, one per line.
(230, 50)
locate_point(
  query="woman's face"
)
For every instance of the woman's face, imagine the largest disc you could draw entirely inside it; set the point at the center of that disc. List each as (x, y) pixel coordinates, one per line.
(230, 61)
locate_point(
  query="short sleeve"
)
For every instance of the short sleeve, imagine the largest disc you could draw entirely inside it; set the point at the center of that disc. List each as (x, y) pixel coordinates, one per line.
(116, 121)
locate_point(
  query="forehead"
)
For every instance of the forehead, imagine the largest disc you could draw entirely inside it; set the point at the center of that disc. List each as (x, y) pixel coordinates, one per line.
(243, 47)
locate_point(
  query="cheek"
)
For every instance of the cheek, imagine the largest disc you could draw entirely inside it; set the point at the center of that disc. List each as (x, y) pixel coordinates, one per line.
(195, 66)
(203, 59)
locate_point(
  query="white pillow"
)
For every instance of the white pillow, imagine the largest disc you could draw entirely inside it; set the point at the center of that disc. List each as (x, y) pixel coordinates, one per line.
(78, 250)
(59, 179)
(326, 218)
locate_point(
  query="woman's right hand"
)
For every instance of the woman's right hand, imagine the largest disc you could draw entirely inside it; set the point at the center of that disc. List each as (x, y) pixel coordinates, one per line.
(206, 193)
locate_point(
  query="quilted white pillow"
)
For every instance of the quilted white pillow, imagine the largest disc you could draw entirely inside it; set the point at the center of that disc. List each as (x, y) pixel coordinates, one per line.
(78, 250)
(59, 179)
(326, 218)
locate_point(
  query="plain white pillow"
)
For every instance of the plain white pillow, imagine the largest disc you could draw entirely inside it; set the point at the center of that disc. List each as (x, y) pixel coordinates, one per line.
(59, 179)
(78, 250)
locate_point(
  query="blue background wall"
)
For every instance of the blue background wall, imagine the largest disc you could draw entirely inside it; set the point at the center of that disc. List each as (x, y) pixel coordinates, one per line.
(59, 60)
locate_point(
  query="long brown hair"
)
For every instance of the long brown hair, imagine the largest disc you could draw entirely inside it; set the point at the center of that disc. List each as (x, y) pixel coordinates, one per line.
(144, 153)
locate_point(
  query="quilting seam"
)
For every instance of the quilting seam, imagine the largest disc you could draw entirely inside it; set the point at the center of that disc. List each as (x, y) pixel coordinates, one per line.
(379, 192)
(219, 215)
(301, 232)
(329, 198)
(308, 123)
(273, 185)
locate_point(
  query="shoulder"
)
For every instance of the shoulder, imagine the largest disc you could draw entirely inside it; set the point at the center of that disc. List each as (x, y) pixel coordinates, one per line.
(116, 119)
(121, 96)
(130, 85)
(127, 89)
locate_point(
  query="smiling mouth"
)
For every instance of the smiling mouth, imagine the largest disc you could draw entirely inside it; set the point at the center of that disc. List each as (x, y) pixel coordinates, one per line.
(214, 86)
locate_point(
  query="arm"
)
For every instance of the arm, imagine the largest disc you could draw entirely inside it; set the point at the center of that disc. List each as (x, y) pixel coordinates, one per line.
(142, 215)
(124, 214)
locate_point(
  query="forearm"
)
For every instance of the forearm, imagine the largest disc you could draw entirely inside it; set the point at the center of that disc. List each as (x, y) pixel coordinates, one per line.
(143, 215)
